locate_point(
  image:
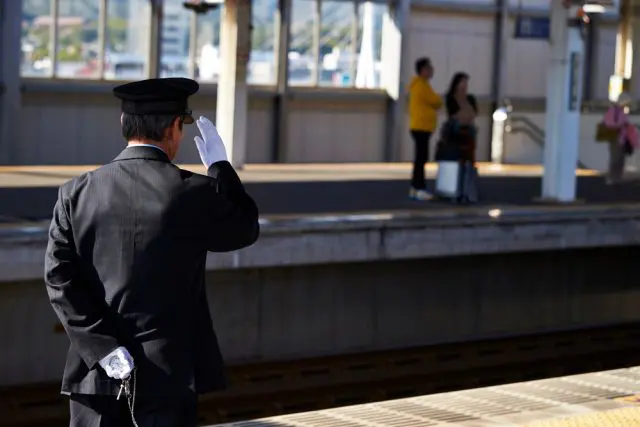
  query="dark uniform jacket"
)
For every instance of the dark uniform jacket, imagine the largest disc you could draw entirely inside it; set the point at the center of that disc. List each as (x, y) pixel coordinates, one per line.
(125, 266)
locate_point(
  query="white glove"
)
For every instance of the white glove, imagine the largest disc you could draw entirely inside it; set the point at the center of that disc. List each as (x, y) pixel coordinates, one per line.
(118, 364)
(210, 146)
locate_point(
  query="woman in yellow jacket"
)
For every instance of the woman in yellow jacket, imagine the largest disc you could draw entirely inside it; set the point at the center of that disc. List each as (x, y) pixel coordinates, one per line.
(424, 104)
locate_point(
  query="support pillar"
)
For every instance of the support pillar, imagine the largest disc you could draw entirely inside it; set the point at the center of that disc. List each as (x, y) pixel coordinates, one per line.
(498, 81)
(10, 57)
(232, 105)
(280, 136)
(624, 45)
(394, 54)
(564, 92)
(154, 65)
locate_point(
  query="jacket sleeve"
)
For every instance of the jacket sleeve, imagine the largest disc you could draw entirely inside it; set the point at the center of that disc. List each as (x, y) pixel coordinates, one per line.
(233, 220)
(83, 313)
(430, 97)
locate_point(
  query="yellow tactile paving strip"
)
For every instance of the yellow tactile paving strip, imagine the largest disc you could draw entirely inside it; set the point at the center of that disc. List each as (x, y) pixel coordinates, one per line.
(44, 176)
(624, 417)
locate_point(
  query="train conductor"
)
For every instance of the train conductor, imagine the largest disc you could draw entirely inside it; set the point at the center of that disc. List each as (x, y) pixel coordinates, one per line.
(125, 266)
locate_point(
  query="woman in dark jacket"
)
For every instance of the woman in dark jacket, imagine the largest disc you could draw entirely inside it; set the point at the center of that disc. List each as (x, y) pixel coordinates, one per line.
(462, 110)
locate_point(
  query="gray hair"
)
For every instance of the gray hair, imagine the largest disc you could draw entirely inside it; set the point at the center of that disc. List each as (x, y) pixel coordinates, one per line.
(624, 99)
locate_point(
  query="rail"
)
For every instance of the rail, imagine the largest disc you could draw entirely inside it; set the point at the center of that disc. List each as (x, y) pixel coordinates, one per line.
(274, 388)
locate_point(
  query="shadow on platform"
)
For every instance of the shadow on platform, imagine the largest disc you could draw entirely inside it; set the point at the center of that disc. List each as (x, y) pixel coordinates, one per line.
(354, 195)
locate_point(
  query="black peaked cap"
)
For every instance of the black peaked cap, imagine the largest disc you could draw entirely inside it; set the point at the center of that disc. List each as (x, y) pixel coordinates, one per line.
(158, 96)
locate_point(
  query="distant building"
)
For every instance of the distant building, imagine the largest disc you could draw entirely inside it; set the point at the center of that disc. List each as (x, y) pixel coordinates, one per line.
(175, 29)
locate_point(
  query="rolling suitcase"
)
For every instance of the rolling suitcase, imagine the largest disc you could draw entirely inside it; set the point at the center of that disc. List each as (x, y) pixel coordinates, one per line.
(447, 179)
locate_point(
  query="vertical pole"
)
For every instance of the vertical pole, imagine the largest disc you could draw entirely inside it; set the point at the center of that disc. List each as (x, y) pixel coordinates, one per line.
(102, 36)
(53, 37)
(394, 50)
(155, 40)
(500, 40)
(590, 59)
(366, 62)
(355, 26)
(280, 133)
(317, 29)
(10, 59)
(624, 44)
(564, 91)
(232, 105)
(193, 44)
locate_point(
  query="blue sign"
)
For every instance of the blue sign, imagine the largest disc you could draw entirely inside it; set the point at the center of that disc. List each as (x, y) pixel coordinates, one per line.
(529, 27)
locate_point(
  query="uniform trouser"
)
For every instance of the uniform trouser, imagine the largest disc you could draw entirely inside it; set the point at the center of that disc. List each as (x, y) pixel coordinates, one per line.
(106, 411)
(616, 161)
(421, 157)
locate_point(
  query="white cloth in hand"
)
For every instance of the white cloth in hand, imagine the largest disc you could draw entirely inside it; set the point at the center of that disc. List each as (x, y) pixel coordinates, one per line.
(210, 146)
(118, 364)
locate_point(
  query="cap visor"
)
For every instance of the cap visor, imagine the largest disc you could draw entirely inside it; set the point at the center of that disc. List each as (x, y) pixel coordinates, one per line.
(188, 120)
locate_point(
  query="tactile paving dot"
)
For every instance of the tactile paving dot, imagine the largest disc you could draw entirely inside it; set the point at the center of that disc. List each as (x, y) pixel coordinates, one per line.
(317, 419)
(625, 417)
(370, 413)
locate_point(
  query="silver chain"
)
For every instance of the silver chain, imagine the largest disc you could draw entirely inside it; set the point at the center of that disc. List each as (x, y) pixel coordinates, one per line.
(131, 394)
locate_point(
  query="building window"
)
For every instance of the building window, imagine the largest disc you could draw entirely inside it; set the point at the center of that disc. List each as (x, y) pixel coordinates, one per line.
(337, 43)
(128, 29)
(176, 35)
(332, 43)
(262, 61)
(36, 39)
(302, 55)
(340, 39)
(369, 45)
(206, 56)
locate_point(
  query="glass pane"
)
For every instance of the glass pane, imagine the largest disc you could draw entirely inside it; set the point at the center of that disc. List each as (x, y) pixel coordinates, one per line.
(208, 46)
(174, 39)
(77, 50)
(369, 45)
(301, 58)
(262, 62)
(127, 39)
(335, 43)
(36, 22)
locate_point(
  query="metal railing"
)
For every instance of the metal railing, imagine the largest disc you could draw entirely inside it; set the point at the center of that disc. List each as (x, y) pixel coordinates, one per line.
(526, 126)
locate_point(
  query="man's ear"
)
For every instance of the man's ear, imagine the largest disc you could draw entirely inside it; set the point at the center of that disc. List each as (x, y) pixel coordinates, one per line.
(121, 118)
(178, 122)
(175, 127)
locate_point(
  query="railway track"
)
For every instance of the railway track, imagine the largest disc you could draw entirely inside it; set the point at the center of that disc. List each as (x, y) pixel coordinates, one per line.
(267, 389)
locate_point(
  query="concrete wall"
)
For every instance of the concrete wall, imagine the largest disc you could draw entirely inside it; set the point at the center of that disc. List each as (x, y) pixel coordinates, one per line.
(63, 126)
(294, 312)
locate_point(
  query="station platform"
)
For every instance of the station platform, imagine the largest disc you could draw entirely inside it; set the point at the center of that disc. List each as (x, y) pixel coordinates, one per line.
(320, 188)
(600, 399)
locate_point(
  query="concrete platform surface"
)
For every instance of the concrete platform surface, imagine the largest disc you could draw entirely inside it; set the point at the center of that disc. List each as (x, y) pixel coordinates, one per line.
(28, 193)
(600, 399)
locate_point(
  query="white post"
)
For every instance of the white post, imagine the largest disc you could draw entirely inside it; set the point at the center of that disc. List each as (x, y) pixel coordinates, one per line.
(564, 96)
(232, 104)
(365, 76)
(394, 53)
